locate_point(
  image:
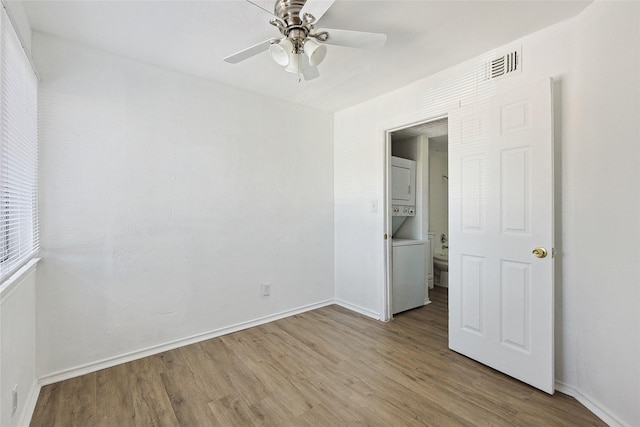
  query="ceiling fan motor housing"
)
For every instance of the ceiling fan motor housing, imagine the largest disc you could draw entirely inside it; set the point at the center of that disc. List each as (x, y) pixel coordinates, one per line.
(291, 25)
(289, 11)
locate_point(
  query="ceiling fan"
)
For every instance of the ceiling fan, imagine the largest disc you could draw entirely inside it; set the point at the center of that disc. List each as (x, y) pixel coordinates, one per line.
(302, 48)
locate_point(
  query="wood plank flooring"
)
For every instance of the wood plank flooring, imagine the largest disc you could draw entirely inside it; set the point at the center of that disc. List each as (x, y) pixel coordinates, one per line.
(327, 367)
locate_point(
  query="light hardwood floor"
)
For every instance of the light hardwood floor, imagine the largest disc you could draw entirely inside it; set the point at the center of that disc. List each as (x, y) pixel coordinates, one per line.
(327, 367)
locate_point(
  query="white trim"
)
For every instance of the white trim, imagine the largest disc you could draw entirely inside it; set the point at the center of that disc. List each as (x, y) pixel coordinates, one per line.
(29, 405)
(9, 285)
(171, 345)
(387, 297)
(358, 309)
(598, 409)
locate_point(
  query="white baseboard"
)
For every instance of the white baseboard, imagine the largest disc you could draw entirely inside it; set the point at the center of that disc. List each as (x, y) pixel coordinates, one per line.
(358, 309)
(171, 345)
(591, 404)
(29, 405)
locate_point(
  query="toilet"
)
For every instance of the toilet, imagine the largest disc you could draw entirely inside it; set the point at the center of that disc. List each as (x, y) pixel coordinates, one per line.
(441, 269)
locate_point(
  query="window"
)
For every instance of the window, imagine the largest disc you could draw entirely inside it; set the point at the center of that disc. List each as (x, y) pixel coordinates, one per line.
(18, 153)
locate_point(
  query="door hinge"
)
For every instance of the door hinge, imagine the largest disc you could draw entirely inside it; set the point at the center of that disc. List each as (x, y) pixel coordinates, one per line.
(385, 236)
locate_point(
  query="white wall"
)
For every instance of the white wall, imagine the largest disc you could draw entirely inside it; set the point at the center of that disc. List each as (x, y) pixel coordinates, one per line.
(597, 194)
(605, 229)
(18, 347)
(166, 201)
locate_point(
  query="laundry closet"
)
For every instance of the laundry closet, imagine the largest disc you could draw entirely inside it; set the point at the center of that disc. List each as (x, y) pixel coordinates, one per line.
(413, 244)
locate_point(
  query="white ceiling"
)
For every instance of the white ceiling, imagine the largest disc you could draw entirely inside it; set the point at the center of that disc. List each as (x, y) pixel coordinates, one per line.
(424, 37)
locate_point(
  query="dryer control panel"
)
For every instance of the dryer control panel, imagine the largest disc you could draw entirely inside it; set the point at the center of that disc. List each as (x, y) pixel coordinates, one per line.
(399, 210)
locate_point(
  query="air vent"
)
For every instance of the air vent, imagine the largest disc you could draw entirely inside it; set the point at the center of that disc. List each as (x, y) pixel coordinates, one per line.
(503, 65)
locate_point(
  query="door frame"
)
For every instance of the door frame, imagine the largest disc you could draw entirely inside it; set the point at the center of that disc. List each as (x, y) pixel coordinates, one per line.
(387, 302)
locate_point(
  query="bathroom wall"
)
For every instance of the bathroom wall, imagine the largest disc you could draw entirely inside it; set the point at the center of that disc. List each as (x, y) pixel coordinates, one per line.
(438, 197)
(166, 201)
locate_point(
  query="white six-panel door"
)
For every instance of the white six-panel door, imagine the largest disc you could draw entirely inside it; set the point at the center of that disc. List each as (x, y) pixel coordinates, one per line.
(500, 211)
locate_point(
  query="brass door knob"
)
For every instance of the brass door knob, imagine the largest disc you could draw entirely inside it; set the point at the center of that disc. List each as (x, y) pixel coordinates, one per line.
(540, 252)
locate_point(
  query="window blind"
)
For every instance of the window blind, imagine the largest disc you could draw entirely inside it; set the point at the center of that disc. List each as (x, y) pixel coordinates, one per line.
(19, 240)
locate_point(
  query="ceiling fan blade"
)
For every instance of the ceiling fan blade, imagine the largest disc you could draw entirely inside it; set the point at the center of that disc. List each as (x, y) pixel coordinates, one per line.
(249, 52)
(263, 5)
(316, 8)
(357, 39)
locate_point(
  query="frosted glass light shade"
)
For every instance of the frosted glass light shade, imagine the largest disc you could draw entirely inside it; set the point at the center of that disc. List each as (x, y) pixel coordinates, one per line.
(315, 51)
(294, 64)
(280, 52)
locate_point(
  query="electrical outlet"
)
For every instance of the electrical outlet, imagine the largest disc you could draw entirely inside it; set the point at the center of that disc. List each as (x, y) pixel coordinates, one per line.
(14, 400)
(266, 289)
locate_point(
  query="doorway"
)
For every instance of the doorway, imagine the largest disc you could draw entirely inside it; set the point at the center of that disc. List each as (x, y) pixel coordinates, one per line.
(419, 218)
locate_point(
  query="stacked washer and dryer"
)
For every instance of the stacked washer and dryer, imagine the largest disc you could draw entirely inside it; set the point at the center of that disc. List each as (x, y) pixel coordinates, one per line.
(408, 255)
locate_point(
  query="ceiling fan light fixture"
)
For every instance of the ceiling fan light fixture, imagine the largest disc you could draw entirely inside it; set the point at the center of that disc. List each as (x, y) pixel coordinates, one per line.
(294, 63)
(281, 52)
(315, 51)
